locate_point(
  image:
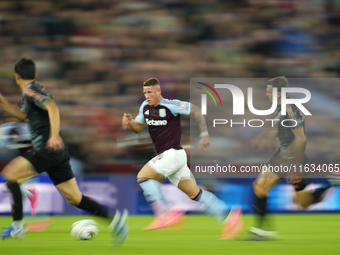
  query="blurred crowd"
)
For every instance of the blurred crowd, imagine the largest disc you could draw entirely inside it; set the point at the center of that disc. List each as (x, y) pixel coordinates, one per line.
(94, 55)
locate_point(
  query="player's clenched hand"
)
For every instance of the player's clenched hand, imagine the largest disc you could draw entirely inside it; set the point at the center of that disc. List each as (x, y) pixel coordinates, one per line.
(55, 144)
(126, 120)
(204, 142)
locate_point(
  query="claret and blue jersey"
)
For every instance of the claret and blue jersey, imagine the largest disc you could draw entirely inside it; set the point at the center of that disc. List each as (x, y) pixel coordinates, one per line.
(164, 122)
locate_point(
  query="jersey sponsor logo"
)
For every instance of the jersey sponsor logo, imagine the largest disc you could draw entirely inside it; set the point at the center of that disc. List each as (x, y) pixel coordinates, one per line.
(39, 98)
(147, 112)
(183, 105)
(162, 112)
(31, 93)
(156, 122)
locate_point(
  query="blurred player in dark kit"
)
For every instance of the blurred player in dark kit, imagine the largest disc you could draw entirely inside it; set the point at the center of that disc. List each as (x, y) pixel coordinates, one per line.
(49, 153)
(292, 142)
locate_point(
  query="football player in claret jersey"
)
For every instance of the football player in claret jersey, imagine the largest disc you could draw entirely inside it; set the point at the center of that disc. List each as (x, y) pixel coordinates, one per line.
(49, 153)
(162, 116)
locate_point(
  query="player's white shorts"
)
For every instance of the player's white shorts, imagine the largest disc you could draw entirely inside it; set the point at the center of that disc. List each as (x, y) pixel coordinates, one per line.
(173, 165)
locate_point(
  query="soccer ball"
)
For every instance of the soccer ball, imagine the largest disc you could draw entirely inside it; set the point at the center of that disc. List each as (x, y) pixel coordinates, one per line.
(84, 229)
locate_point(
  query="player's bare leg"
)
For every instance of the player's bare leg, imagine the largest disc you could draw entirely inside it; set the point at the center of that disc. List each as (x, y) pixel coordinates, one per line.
(231, 219)
(15, 170)
(261, 187)
(69, 189)
(148, 172)
(305, 198)
(189, 187)
(153, 193)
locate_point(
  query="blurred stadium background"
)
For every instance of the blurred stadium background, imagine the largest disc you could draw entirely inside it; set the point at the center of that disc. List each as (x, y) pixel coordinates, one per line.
(93, 56)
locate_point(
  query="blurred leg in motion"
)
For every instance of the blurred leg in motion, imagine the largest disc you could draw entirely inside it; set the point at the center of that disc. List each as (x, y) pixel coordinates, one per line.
(262, 229)
(231, 220)
(118, 226)
(15, 170)
(153, 194)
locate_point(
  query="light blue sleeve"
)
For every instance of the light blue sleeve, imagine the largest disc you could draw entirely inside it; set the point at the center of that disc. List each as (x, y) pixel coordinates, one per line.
(179, 107)
(140, 117)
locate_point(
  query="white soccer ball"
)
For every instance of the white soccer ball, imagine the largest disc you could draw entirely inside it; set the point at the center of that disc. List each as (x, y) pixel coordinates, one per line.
(84, 229)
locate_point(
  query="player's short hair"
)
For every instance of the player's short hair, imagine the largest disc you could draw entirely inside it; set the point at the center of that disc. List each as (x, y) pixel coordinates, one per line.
(25, 68)
(151, 82)
(278, 82)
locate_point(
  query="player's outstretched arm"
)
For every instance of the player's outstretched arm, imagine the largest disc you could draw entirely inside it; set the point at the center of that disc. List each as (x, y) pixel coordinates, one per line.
(55, 142)
(205, 139)
(134, 126)
(15, 111)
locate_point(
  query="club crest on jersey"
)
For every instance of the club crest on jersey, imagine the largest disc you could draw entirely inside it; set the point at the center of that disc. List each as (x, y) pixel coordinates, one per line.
(162, 113)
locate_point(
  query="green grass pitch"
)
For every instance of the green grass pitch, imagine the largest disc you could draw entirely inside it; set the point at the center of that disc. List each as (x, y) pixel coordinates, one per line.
(300, 234)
